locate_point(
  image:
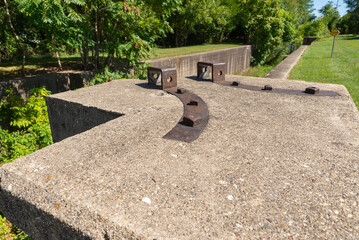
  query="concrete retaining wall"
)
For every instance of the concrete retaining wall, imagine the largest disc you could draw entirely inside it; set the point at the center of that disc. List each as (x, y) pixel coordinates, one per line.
(238, 60)
(54, 82)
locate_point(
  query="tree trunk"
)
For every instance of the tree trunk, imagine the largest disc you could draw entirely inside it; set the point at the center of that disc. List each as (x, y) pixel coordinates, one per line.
(97, 45)
(85, 52)
(56, 52)
(17, 39)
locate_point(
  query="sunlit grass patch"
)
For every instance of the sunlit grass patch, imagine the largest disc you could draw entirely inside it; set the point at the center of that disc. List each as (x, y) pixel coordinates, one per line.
(316, 64)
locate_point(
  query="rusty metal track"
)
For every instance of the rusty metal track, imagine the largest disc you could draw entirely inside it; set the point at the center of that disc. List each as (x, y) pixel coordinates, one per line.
(309, 91)
(195, 116)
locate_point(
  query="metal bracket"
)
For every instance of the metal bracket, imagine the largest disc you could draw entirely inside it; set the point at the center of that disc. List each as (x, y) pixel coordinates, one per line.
(218, 70)
(195, 116)
(195, 113)
(168, 76)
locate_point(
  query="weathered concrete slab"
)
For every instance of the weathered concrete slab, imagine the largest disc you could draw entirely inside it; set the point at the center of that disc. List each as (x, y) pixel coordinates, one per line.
(237, 59)
(267, 166)
(282, 70)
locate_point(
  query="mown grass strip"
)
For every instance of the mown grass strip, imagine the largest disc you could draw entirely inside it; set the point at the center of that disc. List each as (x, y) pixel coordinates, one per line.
(316, 64)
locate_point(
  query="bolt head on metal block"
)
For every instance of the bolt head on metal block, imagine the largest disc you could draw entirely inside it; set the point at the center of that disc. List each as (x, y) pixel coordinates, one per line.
(311, 90)
(268, 88)
(235, 83)
(192, 120)
(181, 90)
(193, 103)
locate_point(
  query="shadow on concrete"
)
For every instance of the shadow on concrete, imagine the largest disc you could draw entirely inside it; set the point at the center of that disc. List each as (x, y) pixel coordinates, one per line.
(199, 79)
(69, 118)
(35, 222)
(147, 86)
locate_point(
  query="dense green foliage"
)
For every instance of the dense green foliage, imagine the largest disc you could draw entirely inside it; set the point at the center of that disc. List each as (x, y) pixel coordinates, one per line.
(265, 25)
(24, 129)
(25, 125)
(9, 231)
(349, 23)
(120, 34)
(123, 30)
(330, 15)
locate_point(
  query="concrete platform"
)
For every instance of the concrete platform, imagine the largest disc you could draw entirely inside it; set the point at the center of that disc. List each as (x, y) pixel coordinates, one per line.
(267, 166)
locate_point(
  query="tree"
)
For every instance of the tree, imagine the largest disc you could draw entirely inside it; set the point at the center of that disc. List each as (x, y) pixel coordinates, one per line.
(21, 45)
(265, 25)
(353, 9)
(347, 24)
(301, 10)
(197, 21)
(330, 15)
(53, 16)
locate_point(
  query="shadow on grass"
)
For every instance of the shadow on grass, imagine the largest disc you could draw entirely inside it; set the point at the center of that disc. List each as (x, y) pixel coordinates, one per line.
(40, 65)
(354, 37)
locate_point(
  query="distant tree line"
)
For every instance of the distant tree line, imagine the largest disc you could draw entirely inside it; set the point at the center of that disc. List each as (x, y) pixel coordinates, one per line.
(111, 32)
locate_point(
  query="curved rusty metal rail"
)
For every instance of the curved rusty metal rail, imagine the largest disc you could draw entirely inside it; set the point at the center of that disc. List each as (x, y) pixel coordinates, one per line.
(195, 116)
(267, 88)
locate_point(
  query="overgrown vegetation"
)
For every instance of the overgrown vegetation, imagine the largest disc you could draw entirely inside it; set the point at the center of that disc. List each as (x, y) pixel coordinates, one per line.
(24, 128)
(25, 125)
(10, 232)
(121, 34)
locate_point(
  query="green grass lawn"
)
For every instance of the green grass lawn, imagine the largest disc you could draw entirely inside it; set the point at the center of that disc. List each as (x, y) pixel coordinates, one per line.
(316, 64)
(261, 70)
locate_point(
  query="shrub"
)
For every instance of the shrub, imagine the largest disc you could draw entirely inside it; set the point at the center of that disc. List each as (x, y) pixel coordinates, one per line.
(25, 124)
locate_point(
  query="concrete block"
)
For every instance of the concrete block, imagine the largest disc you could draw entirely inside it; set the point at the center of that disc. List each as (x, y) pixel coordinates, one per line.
(237, 60)
(266, 165)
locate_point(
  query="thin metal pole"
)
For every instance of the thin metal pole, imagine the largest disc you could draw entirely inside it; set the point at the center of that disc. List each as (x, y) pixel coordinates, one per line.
(334, 36)
(333, 46)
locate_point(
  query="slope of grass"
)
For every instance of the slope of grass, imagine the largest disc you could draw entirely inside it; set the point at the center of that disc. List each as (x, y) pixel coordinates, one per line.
(316, 64)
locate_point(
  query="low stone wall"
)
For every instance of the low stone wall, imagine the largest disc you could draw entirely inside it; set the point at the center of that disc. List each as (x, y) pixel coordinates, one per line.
(54, 82)
(238, 60)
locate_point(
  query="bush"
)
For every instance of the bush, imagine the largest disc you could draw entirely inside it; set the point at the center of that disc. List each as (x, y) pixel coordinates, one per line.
(9, 231)
(107, 75)
(266, 26)
(25, 125)
(316, 28)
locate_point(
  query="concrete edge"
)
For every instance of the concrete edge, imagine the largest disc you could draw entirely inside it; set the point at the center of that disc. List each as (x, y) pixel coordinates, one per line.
(282, 70)
(49, 216)
(195, 54)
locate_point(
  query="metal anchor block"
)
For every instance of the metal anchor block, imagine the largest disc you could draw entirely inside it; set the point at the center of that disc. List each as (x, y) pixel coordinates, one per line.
(218, 70)
(311, 90)
(167, 76)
